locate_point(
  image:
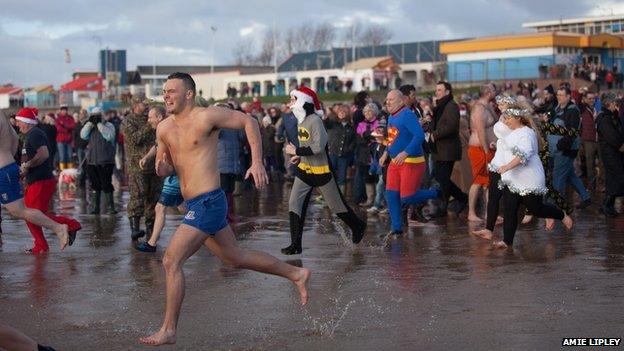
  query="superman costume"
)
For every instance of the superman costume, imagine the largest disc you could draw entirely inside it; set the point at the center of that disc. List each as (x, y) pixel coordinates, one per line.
(403, 181)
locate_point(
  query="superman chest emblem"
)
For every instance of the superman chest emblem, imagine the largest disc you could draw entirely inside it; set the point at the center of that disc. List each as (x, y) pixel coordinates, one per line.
(393, 133)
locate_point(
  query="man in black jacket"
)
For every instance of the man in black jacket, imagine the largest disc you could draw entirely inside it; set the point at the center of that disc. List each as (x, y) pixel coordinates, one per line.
(446, 146)
(611, 146)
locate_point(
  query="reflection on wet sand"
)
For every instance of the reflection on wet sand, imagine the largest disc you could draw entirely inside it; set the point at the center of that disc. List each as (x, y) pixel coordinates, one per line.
(417, 291)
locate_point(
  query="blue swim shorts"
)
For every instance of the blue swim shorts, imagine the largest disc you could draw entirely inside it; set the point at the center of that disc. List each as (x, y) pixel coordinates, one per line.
(171, 195)
(207, 212)
(10, 187)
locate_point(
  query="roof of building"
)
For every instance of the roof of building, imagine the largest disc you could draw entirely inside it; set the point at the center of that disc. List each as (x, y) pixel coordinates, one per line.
(83, 84)
(167, 70)
(532, 40)
(337, 58)
(10, 90)
(371, 62)
(41, 89)
(572, 20)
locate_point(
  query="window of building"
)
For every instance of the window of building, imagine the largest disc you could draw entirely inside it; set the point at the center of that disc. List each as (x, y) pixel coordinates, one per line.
(581, 30)
(597, 29)
(616, 27)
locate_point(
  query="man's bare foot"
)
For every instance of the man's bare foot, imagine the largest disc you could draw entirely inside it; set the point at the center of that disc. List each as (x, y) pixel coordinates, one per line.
(483, 233)
(161, 337)
(474, 218)
(550, 224)
(499, 245)
(499, 220)
(527, 219)
(301, 282)
(568, 222)
(63, 235)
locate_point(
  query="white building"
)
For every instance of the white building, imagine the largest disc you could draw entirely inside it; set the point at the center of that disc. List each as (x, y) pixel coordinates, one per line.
(613, 24)
(336, 70)
(11, 97)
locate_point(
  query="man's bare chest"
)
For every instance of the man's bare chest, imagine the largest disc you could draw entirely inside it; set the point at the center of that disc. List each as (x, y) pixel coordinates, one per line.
(188, 141)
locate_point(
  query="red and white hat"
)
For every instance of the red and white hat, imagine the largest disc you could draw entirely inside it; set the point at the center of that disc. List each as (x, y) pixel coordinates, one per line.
(27, 115)
(305, 94)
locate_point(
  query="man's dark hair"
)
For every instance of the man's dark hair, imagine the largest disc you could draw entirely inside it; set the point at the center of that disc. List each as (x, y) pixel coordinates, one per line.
(360, 99)
(566, 90)
(406, 89)
(186, 78)
(447, 86)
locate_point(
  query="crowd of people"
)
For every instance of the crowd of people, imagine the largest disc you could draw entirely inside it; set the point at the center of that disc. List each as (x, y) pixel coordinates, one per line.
(409, 158)
(110, 148)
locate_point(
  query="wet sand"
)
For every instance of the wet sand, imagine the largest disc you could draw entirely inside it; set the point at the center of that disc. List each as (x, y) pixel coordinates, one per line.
(437, 287)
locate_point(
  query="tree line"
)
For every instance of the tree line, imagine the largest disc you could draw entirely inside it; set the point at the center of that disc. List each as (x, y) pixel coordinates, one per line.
(306, 37)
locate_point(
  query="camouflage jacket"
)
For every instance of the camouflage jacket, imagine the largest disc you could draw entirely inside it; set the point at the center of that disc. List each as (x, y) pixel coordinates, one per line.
(139, 137)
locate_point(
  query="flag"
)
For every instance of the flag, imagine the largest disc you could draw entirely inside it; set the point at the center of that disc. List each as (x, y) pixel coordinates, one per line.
(67, 56)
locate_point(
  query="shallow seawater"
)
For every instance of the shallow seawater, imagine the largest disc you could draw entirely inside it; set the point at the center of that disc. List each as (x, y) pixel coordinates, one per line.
(436, 287)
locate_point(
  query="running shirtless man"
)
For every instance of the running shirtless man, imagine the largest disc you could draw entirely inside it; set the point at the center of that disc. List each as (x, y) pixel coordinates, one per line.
(187, 143)
(11, 192)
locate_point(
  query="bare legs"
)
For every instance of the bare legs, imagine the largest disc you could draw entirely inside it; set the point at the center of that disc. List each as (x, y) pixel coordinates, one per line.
(185, 242)
(159, 223)
(473, 198)
(13, 339)
(17, 209)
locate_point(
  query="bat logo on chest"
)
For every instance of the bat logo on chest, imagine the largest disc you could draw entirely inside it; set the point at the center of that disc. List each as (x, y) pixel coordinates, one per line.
(303, 134)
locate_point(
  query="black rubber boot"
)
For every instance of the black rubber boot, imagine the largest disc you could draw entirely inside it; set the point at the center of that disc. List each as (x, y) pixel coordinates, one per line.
(608, 207)
(417, 214)
(109, 202)
(358, 226)
(95, 202)
(296, 233)
(135, 226)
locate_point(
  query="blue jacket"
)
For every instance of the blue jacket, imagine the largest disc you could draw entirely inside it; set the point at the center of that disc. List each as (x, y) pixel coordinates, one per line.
(288, 128)
(229, 151)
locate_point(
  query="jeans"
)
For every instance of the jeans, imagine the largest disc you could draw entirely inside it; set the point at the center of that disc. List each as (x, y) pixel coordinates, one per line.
(339, 166)
(380, 190)
(563, 173)
(64, 152)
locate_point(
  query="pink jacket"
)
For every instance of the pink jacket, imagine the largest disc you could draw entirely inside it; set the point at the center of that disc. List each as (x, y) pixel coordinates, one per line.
(361, 127)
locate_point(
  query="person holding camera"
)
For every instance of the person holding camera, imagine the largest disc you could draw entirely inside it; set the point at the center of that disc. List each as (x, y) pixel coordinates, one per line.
(100, 159)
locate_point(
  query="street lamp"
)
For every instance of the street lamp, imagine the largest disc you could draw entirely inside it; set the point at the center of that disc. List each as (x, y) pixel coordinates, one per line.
(212, 49)
(98, 40)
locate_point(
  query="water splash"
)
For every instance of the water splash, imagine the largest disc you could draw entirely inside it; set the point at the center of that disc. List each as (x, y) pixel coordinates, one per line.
(326, 326)
(331, 320)
(345, 239)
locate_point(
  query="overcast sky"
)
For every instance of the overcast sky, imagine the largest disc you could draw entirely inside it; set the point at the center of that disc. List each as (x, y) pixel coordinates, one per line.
(34, 34)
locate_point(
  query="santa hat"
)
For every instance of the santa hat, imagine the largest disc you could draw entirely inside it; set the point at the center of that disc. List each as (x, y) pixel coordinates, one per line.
(306, 94)
(27, 115)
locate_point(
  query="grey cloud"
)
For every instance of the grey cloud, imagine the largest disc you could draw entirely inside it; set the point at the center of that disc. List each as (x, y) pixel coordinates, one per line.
(137, 26)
